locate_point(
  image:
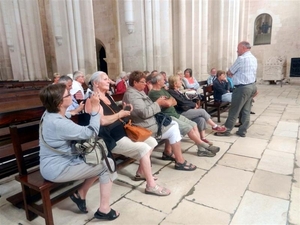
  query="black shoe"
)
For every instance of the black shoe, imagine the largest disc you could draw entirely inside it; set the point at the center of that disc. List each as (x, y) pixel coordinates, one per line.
(79, 202)
(241, 135)
(252, 112)
(112, 215)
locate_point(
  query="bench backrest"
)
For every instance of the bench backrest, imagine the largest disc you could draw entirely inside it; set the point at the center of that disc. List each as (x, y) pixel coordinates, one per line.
(21, 135)
(208, 93)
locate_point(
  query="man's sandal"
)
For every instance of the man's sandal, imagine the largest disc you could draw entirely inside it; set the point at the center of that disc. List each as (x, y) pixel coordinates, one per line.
(185, 166)
(139, 177)
(157, 190)
(169, 157)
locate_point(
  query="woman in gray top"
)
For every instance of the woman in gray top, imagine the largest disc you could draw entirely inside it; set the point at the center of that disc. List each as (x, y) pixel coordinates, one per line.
(57, 163)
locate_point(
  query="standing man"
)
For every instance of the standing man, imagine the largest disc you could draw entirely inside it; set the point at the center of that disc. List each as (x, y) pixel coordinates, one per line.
(243, 73)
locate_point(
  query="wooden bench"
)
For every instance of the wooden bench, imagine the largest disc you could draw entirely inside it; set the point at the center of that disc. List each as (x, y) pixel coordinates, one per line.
(34, 186)
(37, 84)
(213, 107)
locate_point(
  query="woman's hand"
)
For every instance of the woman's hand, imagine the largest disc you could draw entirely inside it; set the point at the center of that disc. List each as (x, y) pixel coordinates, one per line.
(92, 104)
(127, 107)
(123, 113)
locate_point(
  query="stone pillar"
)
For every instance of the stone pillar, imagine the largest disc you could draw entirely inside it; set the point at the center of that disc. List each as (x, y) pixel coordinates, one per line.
(182, 34)
(88, 34)
(5, 64)
(79, 34)
(24, 39)
(157, 21)
(72, 35)
(149, 51)
(203, 17)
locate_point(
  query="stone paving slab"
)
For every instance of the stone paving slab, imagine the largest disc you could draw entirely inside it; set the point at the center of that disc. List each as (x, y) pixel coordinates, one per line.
(221, 188)
(286, 129)
(265, 120)
(294, 212)
(133, 212)
(239, 162)
(271, 184)
(207, 163)
(191, 213)
(282, 144)
(174, 179)
(248, 146)
(277, 162)
(261, 131)
(261, 209)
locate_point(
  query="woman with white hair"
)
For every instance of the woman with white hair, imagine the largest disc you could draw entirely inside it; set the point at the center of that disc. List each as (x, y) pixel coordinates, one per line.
(113, 133)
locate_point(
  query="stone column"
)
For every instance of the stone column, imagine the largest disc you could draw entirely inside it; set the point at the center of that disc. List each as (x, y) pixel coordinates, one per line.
(182, 34)
(24, 39)
(5, 64)
(88, 34)
(72, 35)
(149, 51)
(79, 34)
(203, 17)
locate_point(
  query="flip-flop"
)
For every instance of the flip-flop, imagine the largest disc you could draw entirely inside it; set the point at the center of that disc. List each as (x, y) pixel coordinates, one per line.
(157, 190)
(112, 215)
(139, 177)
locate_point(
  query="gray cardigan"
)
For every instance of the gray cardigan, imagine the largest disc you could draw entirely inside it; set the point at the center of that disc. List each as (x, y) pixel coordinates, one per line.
(144, 109)
(58, 132)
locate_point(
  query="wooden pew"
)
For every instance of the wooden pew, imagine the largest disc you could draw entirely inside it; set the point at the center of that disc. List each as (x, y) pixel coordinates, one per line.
(214, 108)
(37, 84)
(34, 186)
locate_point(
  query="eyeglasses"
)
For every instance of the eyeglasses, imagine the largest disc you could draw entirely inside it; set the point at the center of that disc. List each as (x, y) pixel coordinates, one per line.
(68, 95)
(142, 82)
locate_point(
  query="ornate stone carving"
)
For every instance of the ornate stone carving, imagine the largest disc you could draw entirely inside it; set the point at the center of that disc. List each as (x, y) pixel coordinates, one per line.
(275, 68)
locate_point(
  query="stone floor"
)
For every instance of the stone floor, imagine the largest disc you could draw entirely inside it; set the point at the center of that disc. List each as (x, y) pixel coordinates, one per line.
(252, 180)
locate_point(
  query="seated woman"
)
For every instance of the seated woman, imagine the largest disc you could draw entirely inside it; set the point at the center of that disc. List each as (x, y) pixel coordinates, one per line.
(222, 88)
(113, 133)
(61, 165)
(191, 110)
(143, 113)
(189, 81)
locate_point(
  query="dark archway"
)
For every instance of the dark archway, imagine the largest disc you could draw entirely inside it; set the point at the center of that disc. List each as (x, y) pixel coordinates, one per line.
(101, 56)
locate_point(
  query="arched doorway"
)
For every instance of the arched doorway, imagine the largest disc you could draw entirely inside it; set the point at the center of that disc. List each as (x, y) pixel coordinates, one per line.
(101, 56)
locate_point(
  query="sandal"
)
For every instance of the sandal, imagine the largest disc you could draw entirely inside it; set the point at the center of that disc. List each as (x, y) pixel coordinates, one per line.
(139, 177)
(157, 190)
(185, 166)
(79, 202)
(168, 157)
(112, 215)
(222, 134)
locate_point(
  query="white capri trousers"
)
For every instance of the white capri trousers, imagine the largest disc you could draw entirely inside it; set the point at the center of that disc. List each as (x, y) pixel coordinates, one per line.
(135, 150)
(171, 133)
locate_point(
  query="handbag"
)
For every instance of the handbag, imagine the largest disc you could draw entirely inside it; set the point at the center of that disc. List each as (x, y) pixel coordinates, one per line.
(94, 151)
(191, 94)
(136, 133)
(162, 120)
